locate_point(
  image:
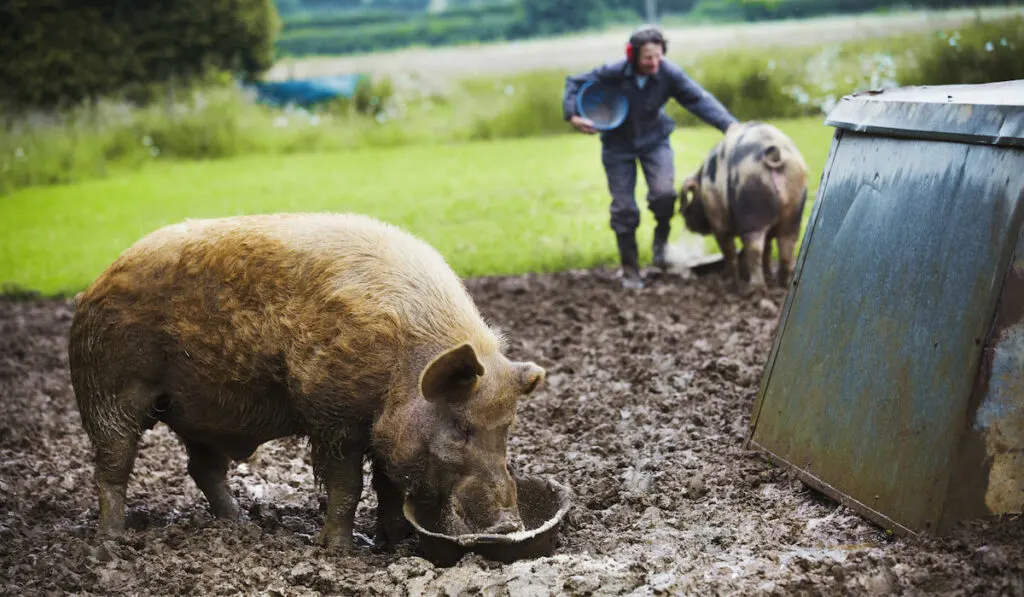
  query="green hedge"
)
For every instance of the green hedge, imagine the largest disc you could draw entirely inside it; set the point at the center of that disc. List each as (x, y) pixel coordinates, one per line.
(455, 26)
(330, 22)
(342, 19)
(760, 10)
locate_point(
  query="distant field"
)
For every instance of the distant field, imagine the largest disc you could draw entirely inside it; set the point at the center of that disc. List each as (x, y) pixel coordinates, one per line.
(583, 51)
(508, 206)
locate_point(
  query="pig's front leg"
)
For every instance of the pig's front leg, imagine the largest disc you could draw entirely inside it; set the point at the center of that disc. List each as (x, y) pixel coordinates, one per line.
(392, 526)
(343, 478)
(787, 247)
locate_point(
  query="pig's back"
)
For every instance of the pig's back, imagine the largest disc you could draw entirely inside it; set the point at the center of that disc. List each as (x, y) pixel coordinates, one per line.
(308, 289)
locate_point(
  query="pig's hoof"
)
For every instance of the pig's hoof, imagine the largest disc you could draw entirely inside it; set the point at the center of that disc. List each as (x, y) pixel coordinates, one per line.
(226, 510)
(111, 527)
(334, 541)
(110, 532)
(749, 290)
(390, 534)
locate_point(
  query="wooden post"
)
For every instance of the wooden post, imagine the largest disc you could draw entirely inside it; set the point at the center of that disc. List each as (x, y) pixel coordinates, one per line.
(170, 97)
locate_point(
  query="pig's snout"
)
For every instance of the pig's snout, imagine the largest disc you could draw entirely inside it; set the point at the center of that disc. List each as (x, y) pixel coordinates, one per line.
(508, 522)
(479, 508)
(505, 521)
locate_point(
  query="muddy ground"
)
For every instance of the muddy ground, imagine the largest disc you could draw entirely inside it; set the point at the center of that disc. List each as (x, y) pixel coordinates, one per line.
(643, 416)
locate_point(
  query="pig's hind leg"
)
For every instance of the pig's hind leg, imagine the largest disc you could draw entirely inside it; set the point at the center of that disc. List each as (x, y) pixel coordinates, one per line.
(208, 467)
(115, 371)
(754, 249)
(115, 434)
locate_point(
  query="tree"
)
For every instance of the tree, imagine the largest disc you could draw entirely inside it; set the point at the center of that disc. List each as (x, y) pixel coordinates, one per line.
(64, 51)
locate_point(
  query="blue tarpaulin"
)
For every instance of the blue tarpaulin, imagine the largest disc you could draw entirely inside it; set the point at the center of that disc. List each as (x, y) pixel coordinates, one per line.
(305, 92)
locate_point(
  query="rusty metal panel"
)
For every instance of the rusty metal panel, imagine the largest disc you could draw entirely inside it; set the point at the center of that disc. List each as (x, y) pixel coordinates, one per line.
(989, 478)
(1000, 415)
(868, 387)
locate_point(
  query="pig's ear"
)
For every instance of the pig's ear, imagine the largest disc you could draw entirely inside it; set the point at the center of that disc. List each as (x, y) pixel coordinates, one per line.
(690, 185)
(451, 376)
(530, 377)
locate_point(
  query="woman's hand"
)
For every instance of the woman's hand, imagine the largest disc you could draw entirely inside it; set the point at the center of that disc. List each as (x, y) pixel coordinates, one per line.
(583, 125)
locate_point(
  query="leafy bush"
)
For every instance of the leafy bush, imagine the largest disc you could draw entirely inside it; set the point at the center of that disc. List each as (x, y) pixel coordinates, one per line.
(214, 120)
(371, 98)
(528, 105)
(981, 53)
(751, 85)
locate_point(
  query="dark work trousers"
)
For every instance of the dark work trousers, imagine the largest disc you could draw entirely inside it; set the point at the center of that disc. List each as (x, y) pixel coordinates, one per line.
(659, 171)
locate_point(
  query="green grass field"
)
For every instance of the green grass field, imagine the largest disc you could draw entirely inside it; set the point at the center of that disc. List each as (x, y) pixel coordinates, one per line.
(500, 207)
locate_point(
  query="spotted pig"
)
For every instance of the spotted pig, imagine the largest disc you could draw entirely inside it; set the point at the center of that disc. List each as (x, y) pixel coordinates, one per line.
(752, 185)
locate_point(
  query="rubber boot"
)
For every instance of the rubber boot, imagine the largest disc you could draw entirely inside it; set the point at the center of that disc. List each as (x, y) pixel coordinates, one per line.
(631, 278)
(660, 241)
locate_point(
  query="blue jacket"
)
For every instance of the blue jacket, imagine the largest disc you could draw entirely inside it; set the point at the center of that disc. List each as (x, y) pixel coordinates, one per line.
(647, 124)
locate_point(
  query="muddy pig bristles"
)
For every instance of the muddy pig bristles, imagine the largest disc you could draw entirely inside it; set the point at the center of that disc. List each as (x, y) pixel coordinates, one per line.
(338, 328)
(753, 184)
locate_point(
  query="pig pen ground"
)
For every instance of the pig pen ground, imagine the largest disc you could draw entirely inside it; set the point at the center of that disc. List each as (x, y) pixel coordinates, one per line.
(643, 415)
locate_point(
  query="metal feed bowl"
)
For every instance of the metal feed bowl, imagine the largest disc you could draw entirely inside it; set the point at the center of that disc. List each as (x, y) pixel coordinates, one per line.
(542, 504)
(604, 106)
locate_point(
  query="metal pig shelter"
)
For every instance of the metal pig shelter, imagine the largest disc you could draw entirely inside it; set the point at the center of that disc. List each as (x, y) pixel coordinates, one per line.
(895, 382)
